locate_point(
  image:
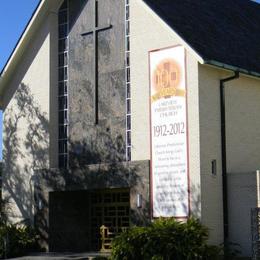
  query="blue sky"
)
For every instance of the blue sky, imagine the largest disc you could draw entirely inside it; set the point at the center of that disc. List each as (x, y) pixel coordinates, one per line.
(14, 15)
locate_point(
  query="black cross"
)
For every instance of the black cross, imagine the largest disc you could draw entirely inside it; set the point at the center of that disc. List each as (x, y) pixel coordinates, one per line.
(95, 31)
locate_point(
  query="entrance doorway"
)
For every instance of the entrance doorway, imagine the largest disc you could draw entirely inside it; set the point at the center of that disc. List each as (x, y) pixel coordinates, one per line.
(75, 218)
(110, 209)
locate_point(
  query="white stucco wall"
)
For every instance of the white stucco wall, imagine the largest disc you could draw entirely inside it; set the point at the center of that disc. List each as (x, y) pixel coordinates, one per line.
(26, 123)
(148, 32)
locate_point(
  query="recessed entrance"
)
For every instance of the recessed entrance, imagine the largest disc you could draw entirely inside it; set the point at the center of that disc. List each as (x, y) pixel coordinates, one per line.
(75, 218)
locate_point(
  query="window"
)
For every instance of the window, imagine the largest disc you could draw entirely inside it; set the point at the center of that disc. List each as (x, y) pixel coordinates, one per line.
(63, 85)
(128, 78)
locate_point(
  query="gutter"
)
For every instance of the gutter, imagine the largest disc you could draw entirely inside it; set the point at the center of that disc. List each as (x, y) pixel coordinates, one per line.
(232, 68)
(224, 152)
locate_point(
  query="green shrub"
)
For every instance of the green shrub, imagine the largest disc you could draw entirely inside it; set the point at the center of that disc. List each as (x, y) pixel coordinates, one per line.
(16, 240)
(164, 239)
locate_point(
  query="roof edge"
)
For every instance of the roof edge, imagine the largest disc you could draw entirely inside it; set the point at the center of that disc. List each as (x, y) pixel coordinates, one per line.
(21, 45)
(231, 67)
(22, 36)
(169, 28)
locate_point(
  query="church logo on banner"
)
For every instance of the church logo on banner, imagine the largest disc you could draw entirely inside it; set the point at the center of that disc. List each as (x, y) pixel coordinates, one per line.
(169, 136)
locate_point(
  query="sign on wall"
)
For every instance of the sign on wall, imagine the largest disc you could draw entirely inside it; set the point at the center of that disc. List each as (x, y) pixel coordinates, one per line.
(169, 137)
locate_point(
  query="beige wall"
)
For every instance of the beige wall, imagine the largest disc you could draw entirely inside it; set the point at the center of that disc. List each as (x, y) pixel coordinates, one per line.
(210, 144)
(241, 199)
(243, 125)
(243, 144)
(149, 33)
(27, 122)
(203, 116)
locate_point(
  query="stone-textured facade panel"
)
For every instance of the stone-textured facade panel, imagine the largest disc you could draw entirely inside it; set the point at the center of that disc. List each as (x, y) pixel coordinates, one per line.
(92, 143)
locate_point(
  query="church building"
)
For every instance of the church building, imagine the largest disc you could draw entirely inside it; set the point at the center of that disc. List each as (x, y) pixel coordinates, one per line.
(117, 112)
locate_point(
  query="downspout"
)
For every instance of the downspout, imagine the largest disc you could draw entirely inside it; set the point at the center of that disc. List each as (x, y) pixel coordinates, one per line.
(224, 153)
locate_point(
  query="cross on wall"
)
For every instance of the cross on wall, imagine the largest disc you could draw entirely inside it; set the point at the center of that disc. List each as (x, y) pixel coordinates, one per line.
(96, 29)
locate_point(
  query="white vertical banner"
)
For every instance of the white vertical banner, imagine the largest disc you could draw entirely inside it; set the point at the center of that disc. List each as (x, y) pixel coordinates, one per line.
(169, 136)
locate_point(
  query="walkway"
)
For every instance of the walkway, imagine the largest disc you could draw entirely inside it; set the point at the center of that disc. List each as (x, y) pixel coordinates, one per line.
(60, 256)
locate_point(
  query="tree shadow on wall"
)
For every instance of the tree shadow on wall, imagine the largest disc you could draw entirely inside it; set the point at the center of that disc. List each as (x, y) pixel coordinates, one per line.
(26, 153)
(25, 149)
(28, 181)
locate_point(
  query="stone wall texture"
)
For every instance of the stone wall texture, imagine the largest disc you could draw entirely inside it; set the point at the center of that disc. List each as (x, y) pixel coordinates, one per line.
(92, 143)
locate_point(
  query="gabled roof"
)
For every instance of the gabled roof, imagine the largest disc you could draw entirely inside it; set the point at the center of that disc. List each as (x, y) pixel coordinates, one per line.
(220, 31)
